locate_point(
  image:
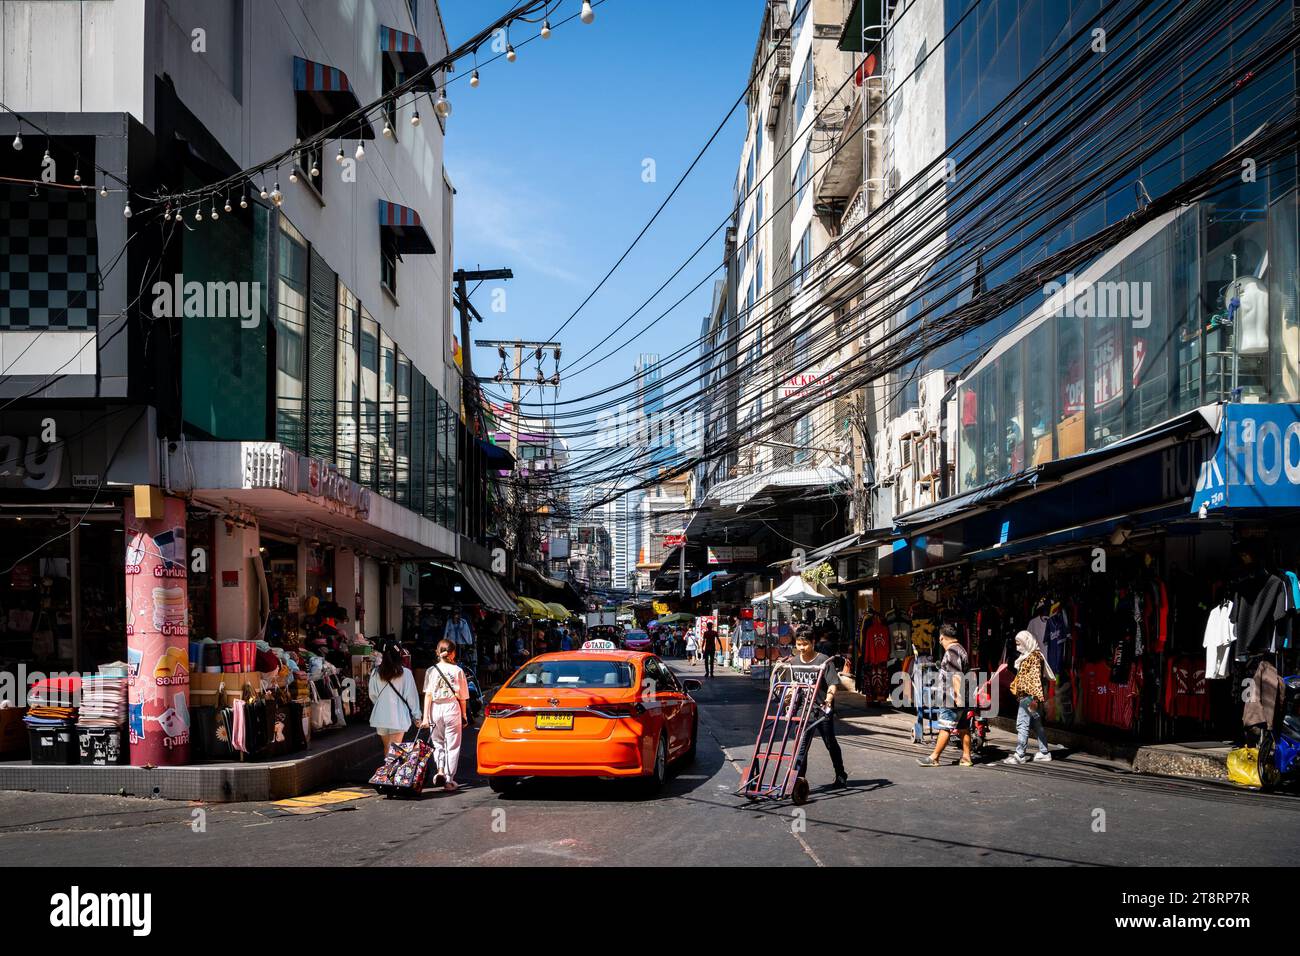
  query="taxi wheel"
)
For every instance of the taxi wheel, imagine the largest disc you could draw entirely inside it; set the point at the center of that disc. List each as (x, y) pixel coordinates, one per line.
(654, 781)
(502, 784)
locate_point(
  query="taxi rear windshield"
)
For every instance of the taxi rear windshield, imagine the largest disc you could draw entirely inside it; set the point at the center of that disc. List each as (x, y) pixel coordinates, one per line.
(607, 674)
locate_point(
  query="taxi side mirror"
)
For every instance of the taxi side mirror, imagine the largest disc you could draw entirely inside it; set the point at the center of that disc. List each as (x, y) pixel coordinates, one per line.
(690, 684)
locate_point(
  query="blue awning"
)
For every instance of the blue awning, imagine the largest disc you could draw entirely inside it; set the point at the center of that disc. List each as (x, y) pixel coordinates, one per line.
(497, 457)
(704, 584)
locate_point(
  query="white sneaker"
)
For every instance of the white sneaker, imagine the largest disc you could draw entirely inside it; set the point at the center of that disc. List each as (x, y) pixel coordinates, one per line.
(1042, 758)
(1015, 759)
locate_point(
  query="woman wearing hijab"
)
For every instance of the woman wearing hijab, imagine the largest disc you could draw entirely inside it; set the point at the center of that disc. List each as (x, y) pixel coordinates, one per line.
(396, 700)
(1031, 667)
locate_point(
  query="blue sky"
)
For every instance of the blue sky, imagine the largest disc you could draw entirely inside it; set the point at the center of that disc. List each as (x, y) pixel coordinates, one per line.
(547, 157)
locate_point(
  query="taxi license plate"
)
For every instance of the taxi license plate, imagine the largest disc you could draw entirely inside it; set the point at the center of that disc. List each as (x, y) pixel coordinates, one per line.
(554, 722)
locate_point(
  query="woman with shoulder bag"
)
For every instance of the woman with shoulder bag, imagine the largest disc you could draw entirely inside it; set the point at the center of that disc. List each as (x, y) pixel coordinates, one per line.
(445, 694)
(396, 699)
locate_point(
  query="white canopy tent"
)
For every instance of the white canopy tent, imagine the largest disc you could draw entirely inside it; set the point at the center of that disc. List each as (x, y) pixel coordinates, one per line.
(796, 590)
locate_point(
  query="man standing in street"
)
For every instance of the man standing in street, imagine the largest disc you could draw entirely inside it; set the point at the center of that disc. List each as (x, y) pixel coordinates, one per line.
(953, 712)
(457, 630)
(710, 649)
(807, 666)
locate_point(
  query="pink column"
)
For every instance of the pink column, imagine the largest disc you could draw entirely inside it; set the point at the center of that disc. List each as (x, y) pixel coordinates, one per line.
(157, 644)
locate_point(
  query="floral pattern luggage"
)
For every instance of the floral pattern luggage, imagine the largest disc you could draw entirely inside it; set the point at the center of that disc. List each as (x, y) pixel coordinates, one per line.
(404, 769)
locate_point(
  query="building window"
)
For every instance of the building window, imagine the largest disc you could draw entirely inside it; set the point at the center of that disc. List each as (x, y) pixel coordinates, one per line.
(387, 414)
(804, 91)
(388, 263)
(309, 158)
(291, 338)
(799, 261)
(800, 184)
(368, 433)
(403, 443)
(346, 385)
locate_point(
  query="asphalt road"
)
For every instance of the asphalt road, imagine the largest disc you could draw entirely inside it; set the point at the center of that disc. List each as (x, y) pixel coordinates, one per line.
(1076, 810)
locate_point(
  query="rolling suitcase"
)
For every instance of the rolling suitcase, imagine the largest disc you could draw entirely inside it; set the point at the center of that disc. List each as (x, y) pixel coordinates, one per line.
(404, 769)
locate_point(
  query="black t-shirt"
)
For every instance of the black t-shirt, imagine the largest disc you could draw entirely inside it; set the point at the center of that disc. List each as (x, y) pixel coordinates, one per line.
(710, 641)
(819, 671)
(1260, 602)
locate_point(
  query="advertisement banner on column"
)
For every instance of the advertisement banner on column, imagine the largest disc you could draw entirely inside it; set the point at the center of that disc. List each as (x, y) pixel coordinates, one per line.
(157, 645)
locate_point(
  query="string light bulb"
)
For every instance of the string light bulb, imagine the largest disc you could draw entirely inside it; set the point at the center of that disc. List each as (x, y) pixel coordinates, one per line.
(293, 175)
(264, 194)
(511, 55)
(340, 157)
(388, 130)
(76, 175)
(46, 157)
(227, 207)
(243, 201)
(546, 29)
(277, 197)
(443, 106)
(126, 210)
(361, 150)
(587, 14)
(415, 117)
(18, 140)
(473, 78)
(198, 213)
(214, 210)
(103, 191)
(167, 214)
(315, 170)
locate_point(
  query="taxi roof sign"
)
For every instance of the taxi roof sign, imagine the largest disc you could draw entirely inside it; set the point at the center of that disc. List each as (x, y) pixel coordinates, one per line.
(599, 646)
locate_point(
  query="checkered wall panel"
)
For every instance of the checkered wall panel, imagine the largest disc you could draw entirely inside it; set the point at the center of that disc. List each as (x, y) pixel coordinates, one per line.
(48, 260)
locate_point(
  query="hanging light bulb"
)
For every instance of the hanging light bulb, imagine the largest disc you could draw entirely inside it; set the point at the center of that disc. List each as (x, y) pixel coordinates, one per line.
(18, 140)
(46, 157)
(103, 191)
(443, 106)
(76, 175)
(126, 210)
(293, 175)
(339, 158)
(473, 78)
(214, 210)
(227, 205)
(198, 213)
(587, 14)
(167, 214)
(264, 194)
(315, 170)
(415, 117)
(361, 150)
(276, 196)
(511, 56)
(546, 29)
(243, 201)
(388, 130)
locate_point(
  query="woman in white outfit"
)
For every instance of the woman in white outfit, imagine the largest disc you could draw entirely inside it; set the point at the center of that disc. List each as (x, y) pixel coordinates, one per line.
(394, 696)
(692, 646)
(445, 694)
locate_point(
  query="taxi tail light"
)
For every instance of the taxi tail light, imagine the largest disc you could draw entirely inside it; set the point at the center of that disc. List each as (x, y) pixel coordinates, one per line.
(622, 710)
(499, 710)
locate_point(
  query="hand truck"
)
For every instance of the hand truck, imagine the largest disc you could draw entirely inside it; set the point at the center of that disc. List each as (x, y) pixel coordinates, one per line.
(790, 715)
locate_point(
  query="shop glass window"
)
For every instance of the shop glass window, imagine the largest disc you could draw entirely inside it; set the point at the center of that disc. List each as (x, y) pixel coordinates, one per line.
(432, 454)
(1069, 377)
(1038, 394)
(992, 443)
(1105, 421)
(419, 439)
(1186, 336)
(291, 337)
(387, 413)
(967, 437)
(1011, 411)
(1284, 321)
(403, 442)
(347, 385)
(368, 437)
(1146, 276)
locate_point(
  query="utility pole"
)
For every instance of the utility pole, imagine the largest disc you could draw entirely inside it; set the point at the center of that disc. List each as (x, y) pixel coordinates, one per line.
(466, 309)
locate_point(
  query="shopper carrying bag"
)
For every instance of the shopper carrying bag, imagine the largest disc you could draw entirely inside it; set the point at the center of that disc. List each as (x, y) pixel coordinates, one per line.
(445, 694)
(396, 700)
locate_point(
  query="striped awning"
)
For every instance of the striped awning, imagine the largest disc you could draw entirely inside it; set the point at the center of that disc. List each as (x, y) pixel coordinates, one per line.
(490, 592)
(406, 52)
(403, 224)
(324, 96)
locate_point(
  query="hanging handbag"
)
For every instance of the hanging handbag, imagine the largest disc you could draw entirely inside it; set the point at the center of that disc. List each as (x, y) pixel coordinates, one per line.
(320, 711)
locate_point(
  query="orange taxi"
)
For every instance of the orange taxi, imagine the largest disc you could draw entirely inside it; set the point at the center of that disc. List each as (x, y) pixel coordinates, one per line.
(594, 712)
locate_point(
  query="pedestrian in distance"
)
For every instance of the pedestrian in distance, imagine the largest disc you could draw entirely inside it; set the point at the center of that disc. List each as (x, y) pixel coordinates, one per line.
(809, 667)
(1031, 667)
(445, 695)
(710, 647)
(953, 715)
(395, 698)
(692, 647)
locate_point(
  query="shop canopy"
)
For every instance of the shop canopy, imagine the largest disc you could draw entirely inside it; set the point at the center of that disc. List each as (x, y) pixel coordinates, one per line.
(798, 591)
(531, 607)
(491, 594)
(556, 612)
(678, 617)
